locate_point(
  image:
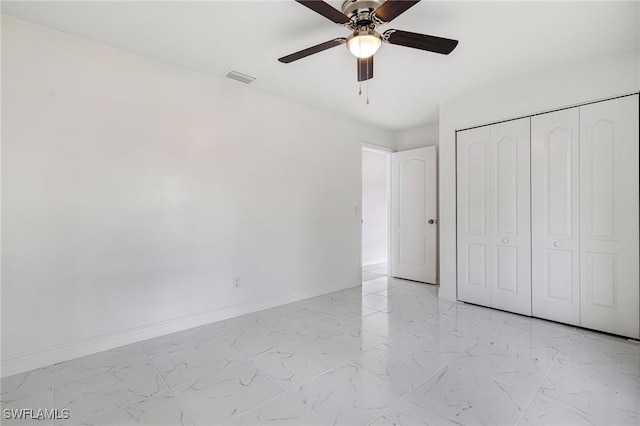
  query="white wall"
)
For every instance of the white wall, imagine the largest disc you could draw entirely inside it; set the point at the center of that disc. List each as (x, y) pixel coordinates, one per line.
(375, 215)
(602, 78)
(419, 137)
(133, 192)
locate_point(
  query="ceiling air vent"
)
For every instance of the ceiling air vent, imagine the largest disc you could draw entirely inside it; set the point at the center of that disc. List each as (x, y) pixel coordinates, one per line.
(235, 75)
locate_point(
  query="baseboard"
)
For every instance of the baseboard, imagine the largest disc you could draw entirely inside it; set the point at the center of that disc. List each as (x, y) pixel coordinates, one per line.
(373, 260)
(37, 359)
(447, 295)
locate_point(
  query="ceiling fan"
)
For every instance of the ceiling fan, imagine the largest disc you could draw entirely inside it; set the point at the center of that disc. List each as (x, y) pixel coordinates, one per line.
(362, 17)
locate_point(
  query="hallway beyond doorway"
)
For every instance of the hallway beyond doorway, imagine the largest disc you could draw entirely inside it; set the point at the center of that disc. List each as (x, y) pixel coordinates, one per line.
(377, 270)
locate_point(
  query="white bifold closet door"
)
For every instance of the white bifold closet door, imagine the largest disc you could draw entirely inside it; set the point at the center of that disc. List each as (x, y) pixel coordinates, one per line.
(555, 216)
(493, 196)
(609, 216)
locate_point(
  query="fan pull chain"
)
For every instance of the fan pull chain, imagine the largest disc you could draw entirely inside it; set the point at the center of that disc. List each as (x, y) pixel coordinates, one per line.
(359, 89)
(367, 87)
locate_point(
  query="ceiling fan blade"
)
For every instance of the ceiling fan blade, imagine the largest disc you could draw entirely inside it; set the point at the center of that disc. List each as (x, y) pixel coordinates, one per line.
(313, 49)
(365, 68)
(391, 9)
(420, 41)
(326, 10)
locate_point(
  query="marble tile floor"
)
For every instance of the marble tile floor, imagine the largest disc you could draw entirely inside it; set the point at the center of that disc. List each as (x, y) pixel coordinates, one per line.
(377, 270)
(386, 353)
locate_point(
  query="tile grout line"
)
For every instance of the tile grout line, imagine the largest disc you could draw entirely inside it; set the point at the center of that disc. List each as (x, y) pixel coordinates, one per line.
(335, 367)
(289, 391)
(544, 379)
(166, 383)
(556, 363)
(409, 393)
(242, 361)
(294, 339)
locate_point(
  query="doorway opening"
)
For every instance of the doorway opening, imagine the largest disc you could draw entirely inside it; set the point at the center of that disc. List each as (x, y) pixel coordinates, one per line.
(376, 179)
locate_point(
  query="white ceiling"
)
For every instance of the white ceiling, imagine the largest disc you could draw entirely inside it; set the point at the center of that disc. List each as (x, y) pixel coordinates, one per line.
(499, 41)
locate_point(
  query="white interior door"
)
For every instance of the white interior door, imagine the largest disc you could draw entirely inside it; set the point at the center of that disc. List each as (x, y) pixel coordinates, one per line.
(414, 215)
(511, 215)
(475, 252)
(609, 216)
(555, 221)
(494, 236)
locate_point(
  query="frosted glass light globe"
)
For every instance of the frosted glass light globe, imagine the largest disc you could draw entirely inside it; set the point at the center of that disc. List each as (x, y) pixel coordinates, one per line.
(364, 44)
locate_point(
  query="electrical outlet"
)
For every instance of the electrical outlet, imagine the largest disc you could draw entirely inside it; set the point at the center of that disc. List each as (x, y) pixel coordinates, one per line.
(236, 282)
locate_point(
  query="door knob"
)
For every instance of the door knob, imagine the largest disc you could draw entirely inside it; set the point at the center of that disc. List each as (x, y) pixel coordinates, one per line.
(505, 240)
(431, 221)
(556, 244)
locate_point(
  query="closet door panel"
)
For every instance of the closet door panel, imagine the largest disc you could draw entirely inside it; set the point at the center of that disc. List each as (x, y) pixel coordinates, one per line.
(555, 254)
(510, 147)
(474, 234)
(609, 216)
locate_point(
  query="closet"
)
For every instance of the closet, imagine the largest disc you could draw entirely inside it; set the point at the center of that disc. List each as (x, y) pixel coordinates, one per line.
(548, 216)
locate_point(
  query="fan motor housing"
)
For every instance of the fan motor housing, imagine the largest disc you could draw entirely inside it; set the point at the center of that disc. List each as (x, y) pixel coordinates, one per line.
(360, 9)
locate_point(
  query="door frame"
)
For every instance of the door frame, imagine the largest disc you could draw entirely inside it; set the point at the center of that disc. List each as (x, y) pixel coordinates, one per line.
(387, 152)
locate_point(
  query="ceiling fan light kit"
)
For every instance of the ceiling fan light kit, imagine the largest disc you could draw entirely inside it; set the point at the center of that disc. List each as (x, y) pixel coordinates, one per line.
(364, 43)
(362, 17)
